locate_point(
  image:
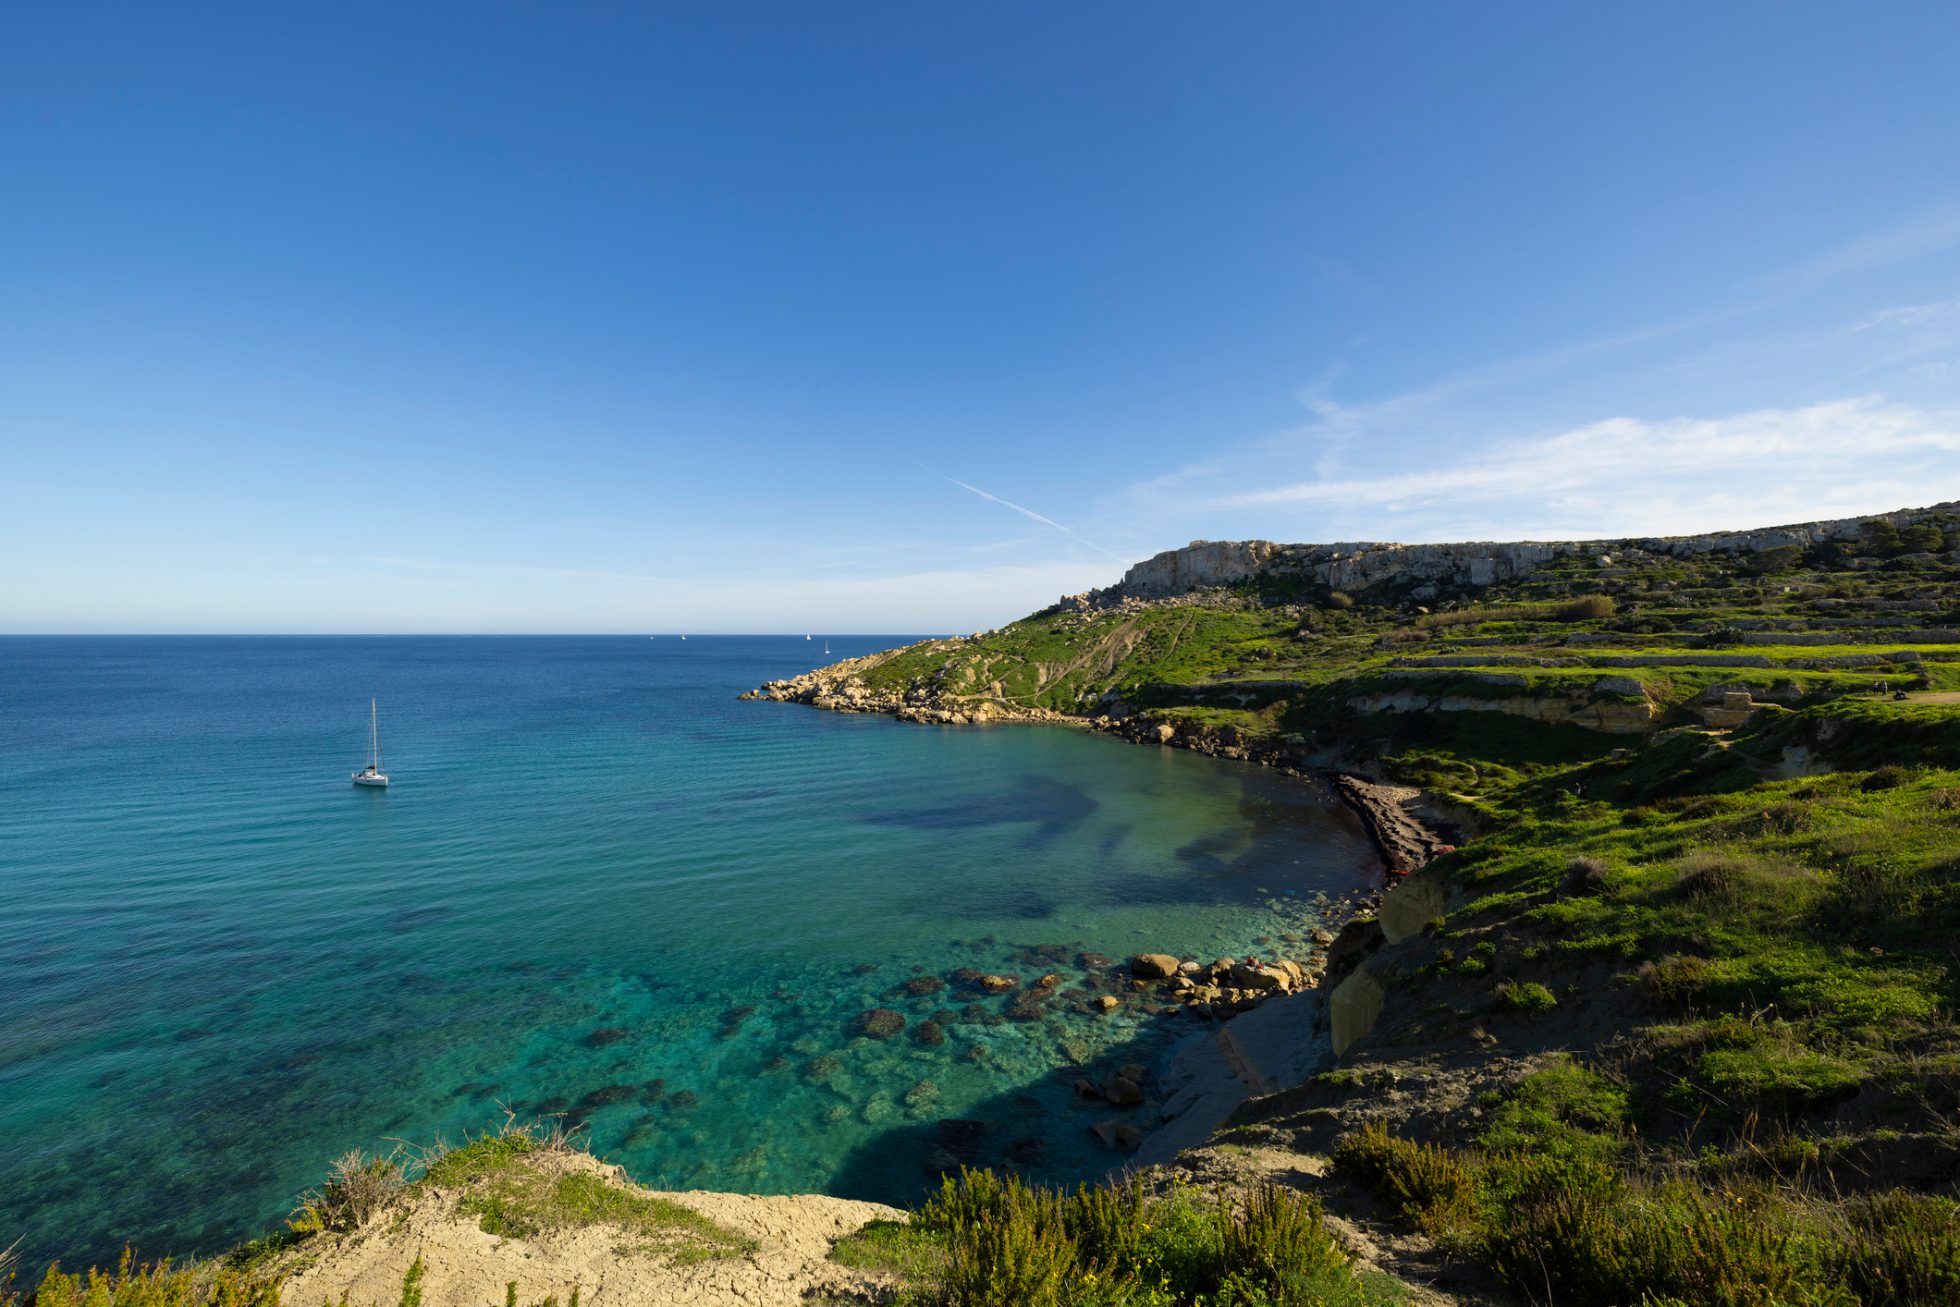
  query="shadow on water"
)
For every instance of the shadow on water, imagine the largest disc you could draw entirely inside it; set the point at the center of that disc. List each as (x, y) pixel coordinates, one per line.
(1037, 1127)
(1055, 808)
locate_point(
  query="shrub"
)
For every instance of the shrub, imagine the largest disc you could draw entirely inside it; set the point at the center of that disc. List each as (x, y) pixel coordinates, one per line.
(1632, 1243)
(358, 1188)
(1009, 1263)
(1276, 1239)
(1422, 1184)
(1009, 1244)
(1900, 1250)
(1583, 609)
(157, 1285)
(1677, 979)
(1525, 996)
(1885, 778)
(1724, 637)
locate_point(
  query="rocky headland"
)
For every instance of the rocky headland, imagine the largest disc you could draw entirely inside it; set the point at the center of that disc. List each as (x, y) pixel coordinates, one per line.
(1652, 1001)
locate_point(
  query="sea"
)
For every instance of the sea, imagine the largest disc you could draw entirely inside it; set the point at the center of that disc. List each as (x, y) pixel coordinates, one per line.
(601, 891)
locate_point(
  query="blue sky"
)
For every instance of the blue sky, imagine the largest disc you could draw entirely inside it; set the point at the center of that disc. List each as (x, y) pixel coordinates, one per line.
(906, 317)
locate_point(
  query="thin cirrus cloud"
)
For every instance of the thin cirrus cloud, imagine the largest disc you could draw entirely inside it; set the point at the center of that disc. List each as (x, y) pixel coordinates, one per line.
(1627, 475)
(1027, 513)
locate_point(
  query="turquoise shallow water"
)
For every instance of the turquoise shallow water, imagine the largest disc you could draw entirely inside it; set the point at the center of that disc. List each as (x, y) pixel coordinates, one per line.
(599, 885)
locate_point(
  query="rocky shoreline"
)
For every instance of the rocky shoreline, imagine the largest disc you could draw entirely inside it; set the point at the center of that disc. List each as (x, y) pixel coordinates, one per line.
(1268, 1020)
(1404, 840)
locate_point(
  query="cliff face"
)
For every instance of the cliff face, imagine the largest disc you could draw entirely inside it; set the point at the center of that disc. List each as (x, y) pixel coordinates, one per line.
(1435, 569)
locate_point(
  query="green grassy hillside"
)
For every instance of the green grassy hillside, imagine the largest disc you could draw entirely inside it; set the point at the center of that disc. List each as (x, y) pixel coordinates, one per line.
(1686, 1034)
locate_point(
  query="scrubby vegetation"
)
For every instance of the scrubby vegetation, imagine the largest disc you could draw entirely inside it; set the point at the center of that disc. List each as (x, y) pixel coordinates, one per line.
(1702, 938)
(519, 1181)
(1716, 869)
(992, 1241)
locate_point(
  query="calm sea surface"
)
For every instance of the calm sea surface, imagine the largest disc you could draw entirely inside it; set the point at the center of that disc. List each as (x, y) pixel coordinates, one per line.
(599, 885)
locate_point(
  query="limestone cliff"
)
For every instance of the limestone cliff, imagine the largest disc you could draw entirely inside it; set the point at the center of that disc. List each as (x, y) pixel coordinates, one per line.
(1433, 570)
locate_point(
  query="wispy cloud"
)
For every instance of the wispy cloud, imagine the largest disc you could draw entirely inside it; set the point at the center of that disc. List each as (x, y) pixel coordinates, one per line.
(1627, 475)
(1912, 315)
(1027, 513)
(1343, 459)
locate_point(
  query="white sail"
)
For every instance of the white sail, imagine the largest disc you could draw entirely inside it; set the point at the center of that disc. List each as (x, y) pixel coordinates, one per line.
(374, 774)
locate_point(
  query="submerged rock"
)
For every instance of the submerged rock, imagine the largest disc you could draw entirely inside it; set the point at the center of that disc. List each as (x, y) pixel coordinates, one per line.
(961, 1138)
(821, 1068)
(879, 1023)
(607, 1035)
(607, 1096)
(929, 1033)
(1118, 1135)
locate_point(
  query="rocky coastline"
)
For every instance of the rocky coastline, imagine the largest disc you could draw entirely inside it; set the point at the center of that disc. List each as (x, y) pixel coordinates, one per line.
(1268, 1022)
(1402, 835)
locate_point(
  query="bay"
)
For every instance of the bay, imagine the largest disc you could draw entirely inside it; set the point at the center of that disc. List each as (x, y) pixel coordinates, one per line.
(600, 886)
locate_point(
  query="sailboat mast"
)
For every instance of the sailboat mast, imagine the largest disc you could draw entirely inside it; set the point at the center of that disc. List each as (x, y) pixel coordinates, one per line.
(374, 736)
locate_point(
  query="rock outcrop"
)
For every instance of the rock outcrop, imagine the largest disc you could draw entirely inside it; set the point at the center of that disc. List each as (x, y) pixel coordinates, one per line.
(1425, 570)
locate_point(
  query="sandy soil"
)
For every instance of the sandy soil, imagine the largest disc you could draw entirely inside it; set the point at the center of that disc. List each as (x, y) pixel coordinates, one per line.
(465, 1267)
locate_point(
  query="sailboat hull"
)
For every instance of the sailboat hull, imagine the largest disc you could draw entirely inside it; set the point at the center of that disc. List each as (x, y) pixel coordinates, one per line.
(376, 781)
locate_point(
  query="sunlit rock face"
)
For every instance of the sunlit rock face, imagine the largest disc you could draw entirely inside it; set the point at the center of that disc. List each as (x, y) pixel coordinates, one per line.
(1474, 565)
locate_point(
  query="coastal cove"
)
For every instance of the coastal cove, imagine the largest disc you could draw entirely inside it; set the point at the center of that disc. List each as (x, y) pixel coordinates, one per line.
(600, 886)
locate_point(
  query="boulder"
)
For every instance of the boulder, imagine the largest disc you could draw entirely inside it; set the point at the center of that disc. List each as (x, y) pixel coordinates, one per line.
(1123, 1092)
(1120, 1136)
(878, 1023)
(1153, 966)
(1252, 975)
(1109, 1002)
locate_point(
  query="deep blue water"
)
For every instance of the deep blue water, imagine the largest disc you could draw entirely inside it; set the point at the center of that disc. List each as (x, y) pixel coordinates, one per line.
(221, 964)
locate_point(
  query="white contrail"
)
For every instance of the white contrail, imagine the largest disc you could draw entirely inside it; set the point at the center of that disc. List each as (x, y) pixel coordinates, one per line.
(1026, 512)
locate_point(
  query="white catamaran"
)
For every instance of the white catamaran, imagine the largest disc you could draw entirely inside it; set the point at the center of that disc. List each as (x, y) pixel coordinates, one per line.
(372, 773)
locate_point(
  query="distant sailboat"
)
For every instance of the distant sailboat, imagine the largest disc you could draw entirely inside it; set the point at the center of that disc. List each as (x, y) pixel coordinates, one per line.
(826, 648)
(806, 637)
(372, 773)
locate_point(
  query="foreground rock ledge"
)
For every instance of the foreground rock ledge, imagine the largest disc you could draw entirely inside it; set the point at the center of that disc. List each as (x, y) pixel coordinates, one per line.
(464, 1266)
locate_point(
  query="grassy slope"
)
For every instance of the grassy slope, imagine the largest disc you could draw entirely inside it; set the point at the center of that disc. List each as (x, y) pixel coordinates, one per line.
(1745, 984)
(1753, 979)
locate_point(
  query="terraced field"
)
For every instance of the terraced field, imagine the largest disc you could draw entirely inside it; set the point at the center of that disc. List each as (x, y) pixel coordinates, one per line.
(1685, 1031)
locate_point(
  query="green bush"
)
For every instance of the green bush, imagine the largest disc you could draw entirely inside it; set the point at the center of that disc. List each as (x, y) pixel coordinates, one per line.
(1009, 1244)
(1629, 1243)
(1528, 997)
(156, 1285)
(1422, 1184)
(1900, 1250)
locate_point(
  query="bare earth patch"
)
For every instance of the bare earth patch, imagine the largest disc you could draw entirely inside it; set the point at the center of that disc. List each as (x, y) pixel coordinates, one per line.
(751, 1250)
